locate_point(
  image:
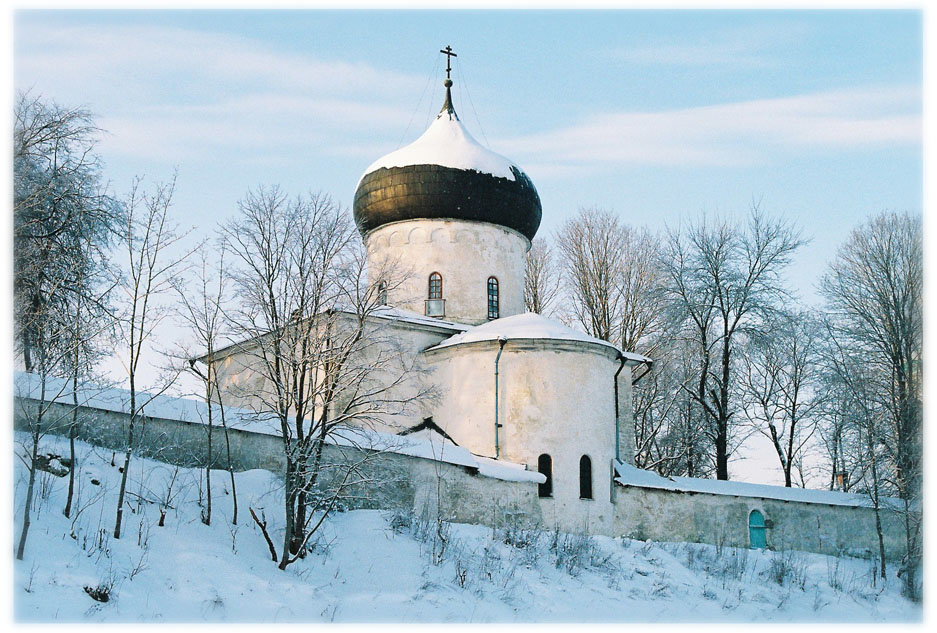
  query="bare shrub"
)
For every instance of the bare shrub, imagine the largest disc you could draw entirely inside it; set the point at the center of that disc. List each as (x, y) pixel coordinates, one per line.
(574, 552)
(105, 589)
(788, 566)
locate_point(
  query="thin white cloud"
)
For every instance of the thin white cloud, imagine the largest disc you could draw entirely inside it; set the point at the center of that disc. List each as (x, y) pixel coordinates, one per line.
(754, 46)
(177, 94)
(734, 134)
(100, 54)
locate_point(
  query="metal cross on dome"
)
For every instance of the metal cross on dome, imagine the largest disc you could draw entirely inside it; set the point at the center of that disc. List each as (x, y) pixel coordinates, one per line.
(449, 55)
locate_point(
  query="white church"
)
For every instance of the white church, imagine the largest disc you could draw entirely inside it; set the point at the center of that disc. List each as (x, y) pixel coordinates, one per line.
(527, 413)
(512, 386)
(523, 390)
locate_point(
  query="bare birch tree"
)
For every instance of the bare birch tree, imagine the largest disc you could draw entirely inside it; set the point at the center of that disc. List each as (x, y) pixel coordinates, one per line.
(149, 238)
(613, 277)
(203, 313)
(859, 392)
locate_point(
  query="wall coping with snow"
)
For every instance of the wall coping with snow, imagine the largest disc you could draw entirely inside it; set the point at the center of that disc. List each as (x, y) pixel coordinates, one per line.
(630, 476)
(423, 445)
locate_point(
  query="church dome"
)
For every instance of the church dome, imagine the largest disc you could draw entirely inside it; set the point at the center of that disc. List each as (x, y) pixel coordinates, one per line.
(447, 174)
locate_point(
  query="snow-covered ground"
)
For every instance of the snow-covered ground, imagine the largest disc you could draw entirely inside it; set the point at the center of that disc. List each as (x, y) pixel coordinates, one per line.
(380, 566)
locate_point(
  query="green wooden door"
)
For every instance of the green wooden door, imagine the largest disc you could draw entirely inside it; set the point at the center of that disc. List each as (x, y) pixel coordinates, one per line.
(756, 530)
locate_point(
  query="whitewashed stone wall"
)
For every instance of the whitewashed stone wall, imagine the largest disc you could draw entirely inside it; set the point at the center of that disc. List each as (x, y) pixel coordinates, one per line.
(401, 482)
(465, 253)
(665, 515)
(410, 483)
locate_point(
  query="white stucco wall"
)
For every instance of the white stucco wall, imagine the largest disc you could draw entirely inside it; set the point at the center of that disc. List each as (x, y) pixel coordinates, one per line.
(665, 515)
(465, 253)
(556, 398)
(391, 357)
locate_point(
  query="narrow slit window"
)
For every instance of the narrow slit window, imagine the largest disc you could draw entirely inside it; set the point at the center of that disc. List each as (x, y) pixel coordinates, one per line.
(585, 477)
(435, 286)
(382, 293)
(493, 309)
(545, 468)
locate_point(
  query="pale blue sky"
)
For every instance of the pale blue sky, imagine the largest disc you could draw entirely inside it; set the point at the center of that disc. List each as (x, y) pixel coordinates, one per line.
(658, 115)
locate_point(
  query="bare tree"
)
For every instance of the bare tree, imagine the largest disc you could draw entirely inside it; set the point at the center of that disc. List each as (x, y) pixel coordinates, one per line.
(62, 220)
(203, 313)
(592, 247)
(859, 393)
(49, 356)
(721, 279)
(837, 426)
(613, 277)
(91, 321)
(667, 422)
(62, 213)
(307, 316)
(779, 372)
(148, 237)
(541, 278)
(874, 292)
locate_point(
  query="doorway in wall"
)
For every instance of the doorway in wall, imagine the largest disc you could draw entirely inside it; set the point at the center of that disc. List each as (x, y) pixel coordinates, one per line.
(756, 530)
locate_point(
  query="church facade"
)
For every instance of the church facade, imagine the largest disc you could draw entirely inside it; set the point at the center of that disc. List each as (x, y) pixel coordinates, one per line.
(524, 390)
(456, 220)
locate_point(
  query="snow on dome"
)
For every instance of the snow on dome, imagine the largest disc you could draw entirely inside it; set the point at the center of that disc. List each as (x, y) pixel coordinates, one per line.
(528, 326)
(448, 144)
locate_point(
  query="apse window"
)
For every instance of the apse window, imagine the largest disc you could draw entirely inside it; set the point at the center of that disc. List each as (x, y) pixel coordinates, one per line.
(493, 310)
(585, 477)
(382, 293)
(545, 468)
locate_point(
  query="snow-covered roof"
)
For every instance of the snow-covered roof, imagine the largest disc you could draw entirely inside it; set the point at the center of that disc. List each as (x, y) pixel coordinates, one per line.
(406, 316)
(447, 143)
(529, 326)
(631, 476)
(425, 444)
(382, 312)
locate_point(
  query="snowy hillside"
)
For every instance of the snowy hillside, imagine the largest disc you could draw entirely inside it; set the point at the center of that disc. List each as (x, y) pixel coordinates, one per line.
(380, 566)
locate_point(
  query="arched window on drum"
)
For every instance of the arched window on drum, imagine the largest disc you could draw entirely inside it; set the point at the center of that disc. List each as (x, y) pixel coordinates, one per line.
(494, 309)
(435, 286)
(435, 304)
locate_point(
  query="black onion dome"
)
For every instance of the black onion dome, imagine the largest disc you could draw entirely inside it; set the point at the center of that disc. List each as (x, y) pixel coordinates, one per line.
(447, 174)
